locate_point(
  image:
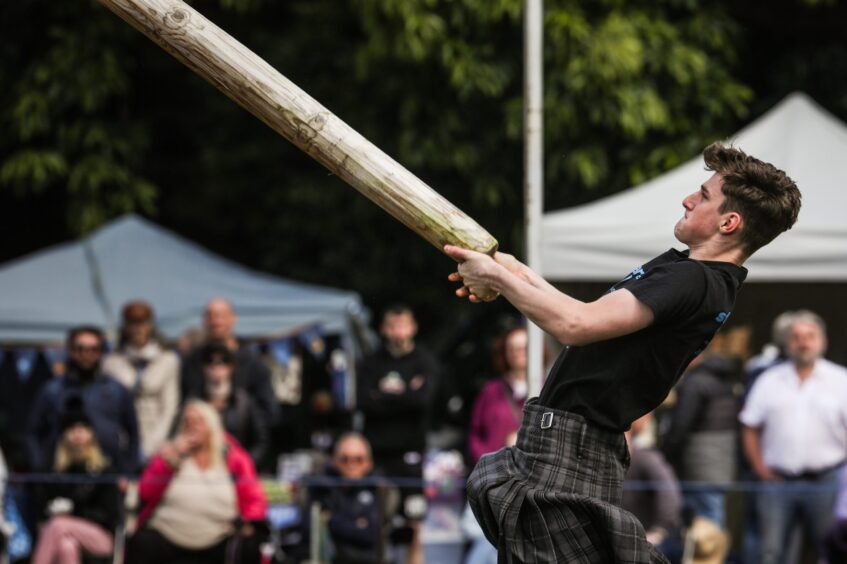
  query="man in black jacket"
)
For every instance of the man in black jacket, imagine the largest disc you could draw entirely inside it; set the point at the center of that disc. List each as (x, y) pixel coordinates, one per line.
(396, 384)
(701, 439)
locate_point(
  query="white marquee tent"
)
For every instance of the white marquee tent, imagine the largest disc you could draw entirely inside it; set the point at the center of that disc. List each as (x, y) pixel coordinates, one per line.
(603, 240)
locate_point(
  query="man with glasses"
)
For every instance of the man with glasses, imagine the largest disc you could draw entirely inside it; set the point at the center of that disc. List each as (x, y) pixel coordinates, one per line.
(107, 403)
(357, 507)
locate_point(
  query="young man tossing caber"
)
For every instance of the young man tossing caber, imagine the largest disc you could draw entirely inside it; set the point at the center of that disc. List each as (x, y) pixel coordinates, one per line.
(555, 496)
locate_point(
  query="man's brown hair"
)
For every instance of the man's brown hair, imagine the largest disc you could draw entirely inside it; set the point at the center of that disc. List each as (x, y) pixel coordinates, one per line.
(765, 197)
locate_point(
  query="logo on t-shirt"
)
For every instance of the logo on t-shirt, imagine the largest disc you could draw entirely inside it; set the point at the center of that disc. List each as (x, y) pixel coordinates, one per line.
(720, 318)
(636, 274)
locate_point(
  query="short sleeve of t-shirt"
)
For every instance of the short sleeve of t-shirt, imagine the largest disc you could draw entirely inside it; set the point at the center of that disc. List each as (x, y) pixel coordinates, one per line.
(753, 412)
(673, 291)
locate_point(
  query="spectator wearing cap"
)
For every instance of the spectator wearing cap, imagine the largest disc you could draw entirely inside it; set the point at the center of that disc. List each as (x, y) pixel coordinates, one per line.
(241, 418)
(149, 371)
(79, 514)
(251, 374)
(108, 404)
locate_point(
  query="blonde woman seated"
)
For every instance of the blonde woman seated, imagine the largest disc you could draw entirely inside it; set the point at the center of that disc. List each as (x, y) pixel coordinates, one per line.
(201, 499)
(81, 514)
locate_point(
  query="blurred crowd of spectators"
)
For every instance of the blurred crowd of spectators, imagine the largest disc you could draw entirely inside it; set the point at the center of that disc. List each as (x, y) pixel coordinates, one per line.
(190, 429)
(187, 430)
(773, 429)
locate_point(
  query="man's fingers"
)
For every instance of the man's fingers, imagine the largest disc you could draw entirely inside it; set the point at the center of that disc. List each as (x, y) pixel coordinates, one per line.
(457, 253)
(509, 262)
(461, 255)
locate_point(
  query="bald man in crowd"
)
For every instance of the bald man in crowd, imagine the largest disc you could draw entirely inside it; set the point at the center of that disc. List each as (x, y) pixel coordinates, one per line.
(219, 321)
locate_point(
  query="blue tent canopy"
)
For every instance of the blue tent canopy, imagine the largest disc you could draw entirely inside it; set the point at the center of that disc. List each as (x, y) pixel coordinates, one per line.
(88, 281)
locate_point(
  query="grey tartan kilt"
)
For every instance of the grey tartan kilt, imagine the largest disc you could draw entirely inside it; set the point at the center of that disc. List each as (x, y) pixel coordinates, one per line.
(555, 496)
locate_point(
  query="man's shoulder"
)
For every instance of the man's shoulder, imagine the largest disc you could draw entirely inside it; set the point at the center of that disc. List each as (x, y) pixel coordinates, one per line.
(168, 357)
(107, 382)
(832, 369)
(674, 267)
(424, 354)
(115, 358)
(775, 374)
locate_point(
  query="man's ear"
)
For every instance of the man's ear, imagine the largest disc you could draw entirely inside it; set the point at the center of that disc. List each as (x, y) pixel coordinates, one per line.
(731, 222)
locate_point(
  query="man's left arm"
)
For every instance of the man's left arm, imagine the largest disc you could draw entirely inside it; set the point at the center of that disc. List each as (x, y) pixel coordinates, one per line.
(416, 396)
(570, 321)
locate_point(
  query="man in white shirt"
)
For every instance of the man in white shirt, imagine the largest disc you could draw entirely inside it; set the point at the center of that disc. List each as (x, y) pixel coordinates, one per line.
(795, 437)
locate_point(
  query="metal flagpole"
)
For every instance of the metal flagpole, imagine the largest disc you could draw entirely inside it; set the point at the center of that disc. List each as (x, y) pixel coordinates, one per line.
(534, 167)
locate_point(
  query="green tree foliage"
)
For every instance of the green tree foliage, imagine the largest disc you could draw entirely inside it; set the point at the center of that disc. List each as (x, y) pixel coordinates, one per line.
(97, 120)
(67, 112)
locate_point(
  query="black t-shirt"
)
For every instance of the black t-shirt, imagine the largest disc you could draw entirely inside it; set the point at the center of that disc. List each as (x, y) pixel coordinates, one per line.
(395, 394)
(612, 383)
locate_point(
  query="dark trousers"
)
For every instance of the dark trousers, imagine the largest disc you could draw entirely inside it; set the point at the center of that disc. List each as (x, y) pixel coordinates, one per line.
(149, 546)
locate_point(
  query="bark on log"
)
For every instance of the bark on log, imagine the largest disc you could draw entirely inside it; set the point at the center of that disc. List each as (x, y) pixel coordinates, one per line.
(260, 89)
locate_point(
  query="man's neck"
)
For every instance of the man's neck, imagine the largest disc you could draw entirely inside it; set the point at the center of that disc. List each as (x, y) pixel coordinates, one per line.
(84, 377)
(400, 350)
(804, 370)
(713, 252)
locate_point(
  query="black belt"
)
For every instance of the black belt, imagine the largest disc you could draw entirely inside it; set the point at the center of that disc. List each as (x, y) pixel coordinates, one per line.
(807, 475)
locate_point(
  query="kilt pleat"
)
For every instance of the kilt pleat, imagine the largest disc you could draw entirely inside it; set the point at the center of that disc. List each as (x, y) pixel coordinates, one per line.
(555, 496)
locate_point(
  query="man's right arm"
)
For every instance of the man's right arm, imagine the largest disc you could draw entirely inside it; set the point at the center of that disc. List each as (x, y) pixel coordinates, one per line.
(570, 321)
(751, 438)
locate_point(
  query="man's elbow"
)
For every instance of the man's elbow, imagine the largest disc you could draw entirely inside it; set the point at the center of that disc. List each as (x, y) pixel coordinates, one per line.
(573, 332)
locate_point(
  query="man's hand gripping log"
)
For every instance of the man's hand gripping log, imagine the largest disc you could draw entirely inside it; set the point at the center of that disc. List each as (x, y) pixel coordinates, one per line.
(479, 272)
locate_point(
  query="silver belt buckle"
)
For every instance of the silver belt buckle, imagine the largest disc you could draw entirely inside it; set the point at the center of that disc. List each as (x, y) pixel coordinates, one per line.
(546, 419)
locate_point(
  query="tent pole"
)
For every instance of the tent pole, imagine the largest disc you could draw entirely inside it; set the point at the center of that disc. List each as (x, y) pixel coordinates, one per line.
(534, 168)
(98, 288)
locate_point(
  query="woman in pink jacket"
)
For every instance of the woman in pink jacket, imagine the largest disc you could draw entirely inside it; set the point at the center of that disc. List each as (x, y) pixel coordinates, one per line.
(200, 498)
(498, 408)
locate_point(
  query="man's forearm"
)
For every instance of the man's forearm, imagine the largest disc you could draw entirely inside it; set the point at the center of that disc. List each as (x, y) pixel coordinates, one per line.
(751, 440)
(569, 320)
(555, 312)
